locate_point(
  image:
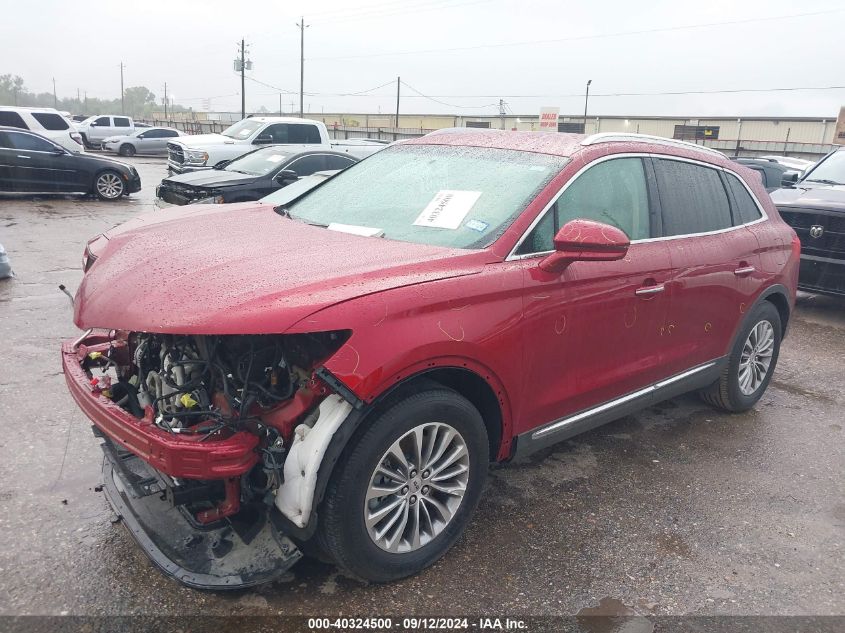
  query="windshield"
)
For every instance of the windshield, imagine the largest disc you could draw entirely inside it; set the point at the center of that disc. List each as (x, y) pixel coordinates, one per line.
(459, 197)
(288, 194)
(242, 129)
(831, 171)
(258, 163)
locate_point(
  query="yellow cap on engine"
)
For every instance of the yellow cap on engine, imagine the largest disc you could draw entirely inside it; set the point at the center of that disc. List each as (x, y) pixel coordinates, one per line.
(187, 401)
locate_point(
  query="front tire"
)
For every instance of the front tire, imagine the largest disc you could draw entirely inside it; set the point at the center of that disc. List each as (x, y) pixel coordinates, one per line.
(406, 487)
(751, 364)
(126, 150)
(108, 185)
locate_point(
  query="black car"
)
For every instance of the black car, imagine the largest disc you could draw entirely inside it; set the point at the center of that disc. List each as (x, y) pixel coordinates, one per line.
(815, 207)
(251, 176)
(769, 169)
(30, 163)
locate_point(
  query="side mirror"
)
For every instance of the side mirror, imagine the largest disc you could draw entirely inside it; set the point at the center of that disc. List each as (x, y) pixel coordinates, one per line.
(263, 139)
(286, 176)
(586, 241)
(789, 178)
(59, 151)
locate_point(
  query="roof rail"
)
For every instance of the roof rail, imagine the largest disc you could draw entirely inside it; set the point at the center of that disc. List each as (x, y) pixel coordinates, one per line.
(609, 137)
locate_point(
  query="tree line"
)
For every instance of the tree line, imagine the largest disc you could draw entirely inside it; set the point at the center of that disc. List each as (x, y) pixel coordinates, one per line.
(138, 101)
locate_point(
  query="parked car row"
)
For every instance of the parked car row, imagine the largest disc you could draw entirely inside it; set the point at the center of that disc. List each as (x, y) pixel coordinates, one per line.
(47, 122)
(333, 368)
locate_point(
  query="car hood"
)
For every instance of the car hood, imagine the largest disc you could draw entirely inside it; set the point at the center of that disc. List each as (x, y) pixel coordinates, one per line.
(211, 178)
(813, 197)
(244, 269)
(203, 140)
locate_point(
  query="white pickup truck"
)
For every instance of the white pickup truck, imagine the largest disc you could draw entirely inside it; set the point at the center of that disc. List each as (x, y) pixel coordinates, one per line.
(204, 151)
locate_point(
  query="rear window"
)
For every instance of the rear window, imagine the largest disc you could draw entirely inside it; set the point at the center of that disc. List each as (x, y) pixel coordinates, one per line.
(692, 198)
(12, 119)
(51, 120)
(746, 210)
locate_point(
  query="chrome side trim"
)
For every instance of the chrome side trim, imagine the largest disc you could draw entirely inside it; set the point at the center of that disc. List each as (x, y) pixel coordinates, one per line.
(610, 137)
(607, 406)
(512, 256)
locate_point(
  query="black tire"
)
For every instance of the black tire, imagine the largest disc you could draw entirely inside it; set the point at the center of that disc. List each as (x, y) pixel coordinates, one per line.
(126, 150)
(342, 531)
(114, 192)
(725, 393)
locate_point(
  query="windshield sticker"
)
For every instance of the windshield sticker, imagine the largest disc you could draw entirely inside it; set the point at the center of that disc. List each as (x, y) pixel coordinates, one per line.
(477, 225)
(447, 209)
(275, 158)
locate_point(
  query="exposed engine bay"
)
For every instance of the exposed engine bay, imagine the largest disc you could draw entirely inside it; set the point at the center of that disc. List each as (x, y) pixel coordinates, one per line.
(208, 385)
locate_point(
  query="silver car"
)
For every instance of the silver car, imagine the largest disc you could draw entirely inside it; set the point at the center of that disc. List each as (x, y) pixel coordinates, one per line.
(5, 266)
(150, 140)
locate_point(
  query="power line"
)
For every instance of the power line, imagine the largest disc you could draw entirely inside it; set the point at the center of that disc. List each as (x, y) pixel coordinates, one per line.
(451, 105)
(579, 37)
(438, 5)
(637, 94)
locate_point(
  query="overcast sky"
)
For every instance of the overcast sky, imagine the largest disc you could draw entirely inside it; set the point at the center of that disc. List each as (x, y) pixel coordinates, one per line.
(623, 46)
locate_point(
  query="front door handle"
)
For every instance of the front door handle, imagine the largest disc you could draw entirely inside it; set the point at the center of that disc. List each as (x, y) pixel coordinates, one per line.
(26, 157)
(744, 271)
(646, 291)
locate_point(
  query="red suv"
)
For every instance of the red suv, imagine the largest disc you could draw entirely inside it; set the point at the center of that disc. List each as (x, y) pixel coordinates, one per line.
(334, 375)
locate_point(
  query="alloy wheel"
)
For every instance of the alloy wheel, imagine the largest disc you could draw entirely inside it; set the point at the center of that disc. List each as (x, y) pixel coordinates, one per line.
(109, 186)
(756, 357)
(416, 488)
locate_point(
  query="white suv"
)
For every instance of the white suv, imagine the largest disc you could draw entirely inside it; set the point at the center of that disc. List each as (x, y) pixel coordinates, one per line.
(47, 122)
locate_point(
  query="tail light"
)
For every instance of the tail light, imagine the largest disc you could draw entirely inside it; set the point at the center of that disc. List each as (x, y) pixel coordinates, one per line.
(92, 251)
(76, 136)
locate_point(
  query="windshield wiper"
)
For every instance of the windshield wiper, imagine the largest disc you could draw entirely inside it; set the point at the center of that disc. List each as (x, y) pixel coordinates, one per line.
(824, 181)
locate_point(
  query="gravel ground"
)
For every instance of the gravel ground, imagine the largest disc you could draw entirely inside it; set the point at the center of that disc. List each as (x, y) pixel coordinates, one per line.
(677, 510)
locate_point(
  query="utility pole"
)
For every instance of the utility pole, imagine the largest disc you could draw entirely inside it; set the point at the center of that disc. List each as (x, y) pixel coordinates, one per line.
(243, 79)
(122, 109)
(55, 99)
(280, 104)
(502, 112)
(398, 84)
(302, 26)
(85, 109)
(165, 101)
(78, 100)
(586, 100)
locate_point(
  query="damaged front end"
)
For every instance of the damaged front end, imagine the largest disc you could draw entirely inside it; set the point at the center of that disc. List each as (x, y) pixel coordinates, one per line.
(212, 443)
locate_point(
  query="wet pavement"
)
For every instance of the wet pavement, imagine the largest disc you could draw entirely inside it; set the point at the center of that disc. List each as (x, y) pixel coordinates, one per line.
(679, 509)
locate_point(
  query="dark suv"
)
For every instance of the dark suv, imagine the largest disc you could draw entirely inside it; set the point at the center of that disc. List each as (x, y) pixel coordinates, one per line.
(815, 208)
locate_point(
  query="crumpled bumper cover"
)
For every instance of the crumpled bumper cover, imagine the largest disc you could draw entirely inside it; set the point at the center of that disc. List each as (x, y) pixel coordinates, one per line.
(178, 456)
(246, 550)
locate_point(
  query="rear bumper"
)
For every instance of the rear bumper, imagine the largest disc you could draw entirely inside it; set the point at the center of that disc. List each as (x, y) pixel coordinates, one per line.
(246, 550)
(176, 455)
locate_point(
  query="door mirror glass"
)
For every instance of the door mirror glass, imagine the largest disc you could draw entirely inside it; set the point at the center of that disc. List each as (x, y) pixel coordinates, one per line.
(789, 178)
(263, 139)
(586, 240)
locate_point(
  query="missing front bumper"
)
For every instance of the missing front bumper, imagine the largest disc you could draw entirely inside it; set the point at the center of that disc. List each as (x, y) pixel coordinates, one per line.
(246, 550)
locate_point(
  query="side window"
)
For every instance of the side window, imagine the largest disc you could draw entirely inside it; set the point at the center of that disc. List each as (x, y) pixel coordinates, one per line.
(692, 197)
(5, 142)
(746, 210)
(30, 142)
(305, 134)
(613, 192)
(278, 132)
(338, 162)
(307, 165)
(167, 133)
(103, 121)
(12, 119)
(121, 121)
(51, 121)
(152, 134)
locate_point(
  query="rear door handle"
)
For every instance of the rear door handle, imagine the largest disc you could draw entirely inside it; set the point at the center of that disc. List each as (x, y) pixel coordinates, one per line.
(645, 291)
(26, 157)
(745, 270)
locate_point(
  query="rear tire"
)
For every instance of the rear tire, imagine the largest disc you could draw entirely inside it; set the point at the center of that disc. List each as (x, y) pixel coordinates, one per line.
(751, 364)
(434, 447)
(126, 150)
(108, 185)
